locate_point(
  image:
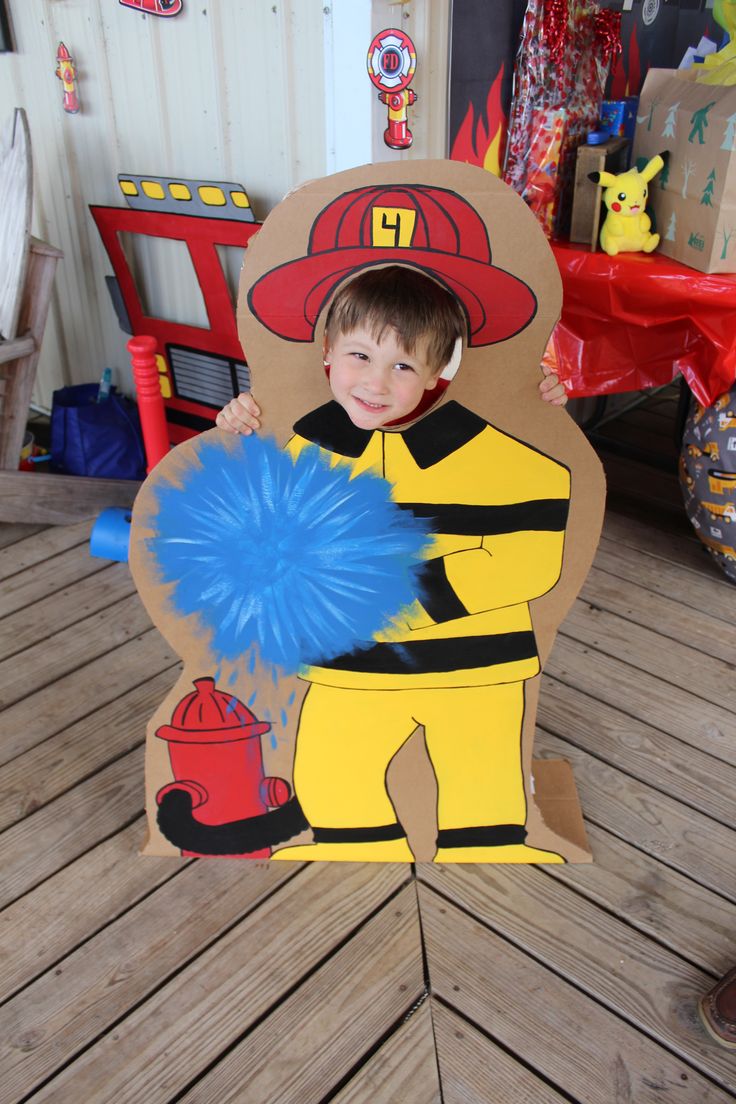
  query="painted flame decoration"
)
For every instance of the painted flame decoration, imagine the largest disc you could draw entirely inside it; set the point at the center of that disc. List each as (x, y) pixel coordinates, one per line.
(627, 76)
(480, 139)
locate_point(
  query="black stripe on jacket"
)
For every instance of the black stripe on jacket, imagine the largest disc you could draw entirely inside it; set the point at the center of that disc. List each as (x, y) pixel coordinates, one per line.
(414, 657)
(547, 515)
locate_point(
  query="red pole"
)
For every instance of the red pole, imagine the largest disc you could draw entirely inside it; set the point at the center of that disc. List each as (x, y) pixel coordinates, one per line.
(142, 351)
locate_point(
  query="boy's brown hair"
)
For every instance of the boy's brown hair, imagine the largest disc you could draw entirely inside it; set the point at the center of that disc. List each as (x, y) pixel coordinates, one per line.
(405, 300)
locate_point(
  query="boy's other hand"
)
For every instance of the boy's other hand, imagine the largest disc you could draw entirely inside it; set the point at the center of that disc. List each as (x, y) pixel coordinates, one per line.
(240, 415)
(551, 388)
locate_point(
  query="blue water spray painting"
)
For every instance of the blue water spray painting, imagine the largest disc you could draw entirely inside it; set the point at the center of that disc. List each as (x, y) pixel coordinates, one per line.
(290, 557)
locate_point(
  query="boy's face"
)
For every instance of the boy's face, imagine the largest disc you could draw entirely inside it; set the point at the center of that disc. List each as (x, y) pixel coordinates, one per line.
(376, 383)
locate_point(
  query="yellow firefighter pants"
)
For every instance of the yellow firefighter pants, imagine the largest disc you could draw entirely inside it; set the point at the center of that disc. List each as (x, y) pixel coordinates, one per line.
(347, 739)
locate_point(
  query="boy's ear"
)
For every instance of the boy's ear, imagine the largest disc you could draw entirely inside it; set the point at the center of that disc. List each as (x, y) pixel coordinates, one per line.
(325, 351)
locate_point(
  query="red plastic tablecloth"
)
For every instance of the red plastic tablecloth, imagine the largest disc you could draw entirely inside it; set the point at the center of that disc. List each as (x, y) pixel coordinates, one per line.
(636, 320)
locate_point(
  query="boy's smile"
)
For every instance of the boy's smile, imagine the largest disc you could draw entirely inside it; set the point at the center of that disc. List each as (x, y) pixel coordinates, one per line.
(377, 382)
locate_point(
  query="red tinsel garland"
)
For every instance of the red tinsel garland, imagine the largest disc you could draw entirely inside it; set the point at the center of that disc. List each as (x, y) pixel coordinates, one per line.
(555, 29)
(607, 29)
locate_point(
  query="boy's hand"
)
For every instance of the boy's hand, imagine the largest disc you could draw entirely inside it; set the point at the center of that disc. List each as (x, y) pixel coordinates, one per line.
(551, 389)
(240, 415)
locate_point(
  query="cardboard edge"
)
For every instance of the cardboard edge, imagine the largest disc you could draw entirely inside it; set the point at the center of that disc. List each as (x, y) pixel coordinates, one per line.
(557, 801)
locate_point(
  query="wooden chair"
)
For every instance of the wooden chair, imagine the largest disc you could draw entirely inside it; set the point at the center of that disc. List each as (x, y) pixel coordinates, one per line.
(19, 355)
(36, 497)
(27, 268)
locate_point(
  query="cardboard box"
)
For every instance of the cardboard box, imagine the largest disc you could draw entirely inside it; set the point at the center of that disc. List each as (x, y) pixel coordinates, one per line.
(694, 197)
(586, 200)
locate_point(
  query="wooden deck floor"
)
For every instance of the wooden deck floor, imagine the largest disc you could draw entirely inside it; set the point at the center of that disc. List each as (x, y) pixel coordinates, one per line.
(126, 979)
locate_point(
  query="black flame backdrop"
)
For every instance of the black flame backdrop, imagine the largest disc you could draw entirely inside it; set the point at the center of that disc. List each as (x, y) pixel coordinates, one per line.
(484, 42)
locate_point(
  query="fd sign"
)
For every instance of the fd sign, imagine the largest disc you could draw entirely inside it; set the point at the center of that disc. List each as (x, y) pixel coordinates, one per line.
(392, 60)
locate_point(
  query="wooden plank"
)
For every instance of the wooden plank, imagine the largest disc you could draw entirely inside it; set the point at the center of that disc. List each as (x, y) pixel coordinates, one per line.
(656, 440)
(60, 499)
(674, 582)
(661, 406)
(634, 976)
(403, 1069)
(334, 1017)
(609, 156)
(654, 757)
(37, 544)
(31, 780)
(686, 840)
(66, 1008)
(474, 1069)
(641, 695)
(46, 578)
(67, 607)
(17, 348)
(681, 549)
(67, 909)
(64, 829)
(72, 648)
(640, 486)
(689, 919)
(21, 377)
(220, 964)
(715, 635)
(656, 410)
(577, 1045)
(83, 692)
(624, 501)
(670, 661)
(653, 421)
(12, 534)
(16, 202)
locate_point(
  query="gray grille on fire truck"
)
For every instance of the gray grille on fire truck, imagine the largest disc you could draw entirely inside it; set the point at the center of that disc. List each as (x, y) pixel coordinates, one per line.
(206, 377)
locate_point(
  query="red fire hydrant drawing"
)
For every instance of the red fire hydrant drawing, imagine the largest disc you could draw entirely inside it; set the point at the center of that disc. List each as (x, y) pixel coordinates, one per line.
(220, 787)
(66, 71)
(392, 60)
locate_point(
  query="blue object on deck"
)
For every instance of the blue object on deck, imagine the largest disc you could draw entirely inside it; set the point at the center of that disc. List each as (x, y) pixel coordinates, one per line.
(110, 538)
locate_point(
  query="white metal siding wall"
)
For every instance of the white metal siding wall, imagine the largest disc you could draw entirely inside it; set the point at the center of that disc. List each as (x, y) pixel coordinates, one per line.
(229, 90)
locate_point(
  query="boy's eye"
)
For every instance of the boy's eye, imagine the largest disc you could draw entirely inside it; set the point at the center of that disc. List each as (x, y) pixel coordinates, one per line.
(402, 367)
(360, 356)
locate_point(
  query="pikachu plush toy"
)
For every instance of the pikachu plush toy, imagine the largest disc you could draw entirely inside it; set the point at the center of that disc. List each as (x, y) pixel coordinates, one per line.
(627, 226)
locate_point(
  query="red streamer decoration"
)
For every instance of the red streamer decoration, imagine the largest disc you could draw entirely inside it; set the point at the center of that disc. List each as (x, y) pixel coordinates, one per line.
(608, 35)
(555, 29)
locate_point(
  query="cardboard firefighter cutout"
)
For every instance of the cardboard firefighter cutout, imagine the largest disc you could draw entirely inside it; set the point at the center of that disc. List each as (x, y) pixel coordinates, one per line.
(363, 613)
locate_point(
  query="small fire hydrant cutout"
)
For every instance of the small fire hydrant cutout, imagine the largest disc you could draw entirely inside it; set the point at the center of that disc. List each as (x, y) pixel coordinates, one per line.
(392, 60)
(66, 71)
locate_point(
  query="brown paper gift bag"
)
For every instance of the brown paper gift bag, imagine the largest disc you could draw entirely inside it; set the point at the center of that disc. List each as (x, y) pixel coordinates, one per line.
(694, 197)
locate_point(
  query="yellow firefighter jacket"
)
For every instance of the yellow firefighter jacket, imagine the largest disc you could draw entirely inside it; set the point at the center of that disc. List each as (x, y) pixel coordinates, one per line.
(498, 509)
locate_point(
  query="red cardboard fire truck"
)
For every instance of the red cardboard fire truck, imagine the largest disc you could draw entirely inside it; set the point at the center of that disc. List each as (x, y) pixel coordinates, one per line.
(200, 368)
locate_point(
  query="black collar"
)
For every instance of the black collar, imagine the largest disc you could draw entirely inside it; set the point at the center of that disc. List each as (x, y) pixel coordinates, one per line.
(429, 440)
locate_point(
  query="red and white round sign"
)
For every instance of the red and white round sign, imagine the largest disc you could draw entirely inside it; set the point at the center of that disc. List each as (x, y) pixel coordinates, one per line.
(392, 60)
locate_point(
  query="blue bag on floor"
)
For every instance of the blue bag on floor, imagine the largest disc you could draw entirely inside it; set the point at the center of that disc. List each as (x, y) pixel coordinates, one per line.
(96, 439)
